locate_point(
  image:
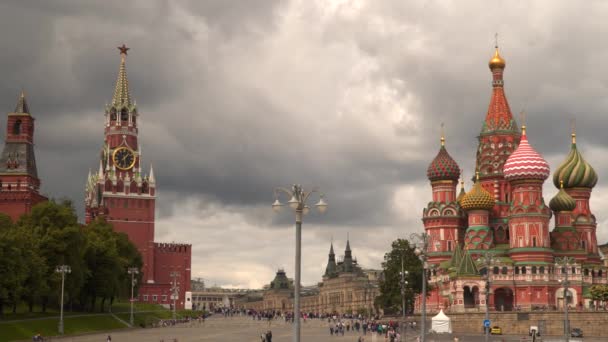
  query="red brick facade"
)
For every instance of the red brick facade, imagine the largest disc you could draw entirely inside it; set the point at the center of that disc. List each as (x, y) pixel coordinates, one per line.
(126, 197)
(505, 216)
(19, 183)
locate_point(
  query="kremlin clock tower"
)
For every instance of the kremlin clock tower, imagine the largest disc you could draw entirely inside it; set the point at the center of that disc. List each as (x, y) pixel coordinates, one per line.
(125, 197)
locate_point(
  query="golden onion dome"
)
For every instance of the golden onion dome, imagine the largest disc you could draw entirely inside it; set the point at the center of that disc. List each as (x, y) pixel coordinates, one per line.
(478, 198)
(497, 61)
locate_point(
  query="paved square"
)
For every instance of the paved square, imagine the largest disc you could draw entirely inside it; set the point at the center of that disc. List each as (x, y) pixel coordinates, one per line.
(245, 329)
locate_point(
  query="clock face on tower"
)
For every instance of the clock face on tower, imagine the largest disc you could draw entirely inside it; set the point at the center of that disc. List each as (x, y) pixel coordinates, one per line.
(124, 158)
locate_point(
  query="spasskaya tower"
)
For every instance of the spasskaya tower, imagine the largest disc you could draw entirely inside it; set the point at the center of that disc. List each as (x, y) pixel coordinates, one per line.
(125, 196)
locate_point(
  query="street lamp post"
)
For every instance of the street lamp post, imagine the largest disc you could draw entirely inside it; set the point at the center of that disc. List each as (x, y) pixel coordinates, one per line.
(564, 263)
(297, 202)
(403, 284)
(422, 242)
(132, 271)
(63, 269)
(488, 260)
(174, 291)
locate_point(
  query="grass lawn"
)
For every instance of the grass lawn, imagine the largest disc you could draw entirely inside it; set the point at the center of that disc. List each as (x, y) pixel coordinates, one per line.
(48, 327)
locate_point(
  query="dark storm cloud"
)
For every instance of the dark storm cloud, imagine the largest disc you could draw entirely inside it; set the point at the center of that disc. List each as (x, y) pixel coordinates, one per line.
(237, 97)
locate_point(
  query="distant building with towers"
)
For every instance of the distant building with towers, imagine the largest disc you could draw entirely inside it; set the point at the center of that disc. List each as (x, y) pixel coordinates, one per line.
(345, 288)
(19, 182)
(125, 196)
(505, 218)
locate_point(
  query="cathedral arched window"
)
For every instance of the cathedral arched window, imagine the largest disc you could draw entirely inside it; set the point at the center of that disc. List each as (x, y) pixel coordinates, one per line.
(516, 269)
(124, 114)
(533, 269)
(495, 270)
(113, 114)
(586, 272)
(0, 185)
(542, 270)
(17, 127)
(523, 270)
(504, 270)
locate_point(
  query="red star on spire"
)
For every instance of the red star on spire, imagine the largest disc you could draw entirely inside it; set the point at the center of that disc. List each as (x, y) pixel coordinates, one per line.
(123, 49)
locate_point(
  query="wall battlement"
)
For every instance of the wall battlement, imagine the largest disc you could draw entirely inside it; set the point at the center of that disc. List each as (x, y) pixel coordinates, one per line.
(165, 247)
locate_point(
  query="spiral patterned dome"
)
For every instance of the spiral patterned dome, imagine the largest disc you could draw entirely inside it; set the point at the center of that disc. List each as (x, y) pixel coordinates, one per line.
(478, 198)
(525, 162)
(562, 201)
(443, 167)
(575, 171)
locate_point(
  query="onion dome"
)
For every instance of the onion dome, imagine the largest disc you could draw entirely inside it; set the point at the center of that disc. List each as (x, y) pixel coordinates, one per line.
(562, 201)
(525, 162)
(497, 61)
(478, 198)
(462, 192)
(443, 167)
(575, 171)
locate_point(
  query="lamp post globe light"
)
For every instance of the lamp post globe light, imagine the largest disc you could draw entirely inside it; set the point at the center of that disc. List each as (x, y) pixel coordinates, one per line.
(403, 283)
(174, 291)
(298, 197)
(421, 241)
(564, 264)
(132, 271)
(63, 269)
(487, 259)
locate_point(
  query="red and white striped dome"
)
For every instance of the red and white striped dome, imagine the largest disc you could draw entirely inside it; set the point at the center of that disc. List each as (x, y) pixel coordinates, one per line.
(526, 163)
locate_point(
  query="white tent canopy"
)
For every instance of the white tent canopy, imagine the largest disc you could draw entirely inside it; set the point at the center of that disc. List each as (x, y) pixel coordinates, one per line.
(441, 323)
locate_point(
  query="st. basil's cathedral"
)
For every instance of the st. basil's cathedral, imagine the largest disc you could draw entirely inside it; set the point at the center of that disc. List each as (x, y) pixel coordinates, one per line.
(504, 218)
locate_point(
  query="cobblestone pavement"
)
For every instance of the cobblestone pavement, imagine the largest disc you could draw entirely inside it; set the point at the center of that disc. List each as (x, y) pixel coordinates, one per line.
(246, 330)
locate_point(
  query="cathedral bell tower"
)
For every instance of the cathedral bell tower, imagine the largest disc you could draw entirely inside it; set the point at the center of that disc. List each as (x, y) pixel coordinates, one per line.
(119, 190)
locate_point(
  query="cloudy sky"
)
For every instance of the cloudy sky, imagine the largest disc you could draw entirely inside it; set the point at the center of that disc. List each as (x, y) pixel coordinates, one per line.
(238, 97)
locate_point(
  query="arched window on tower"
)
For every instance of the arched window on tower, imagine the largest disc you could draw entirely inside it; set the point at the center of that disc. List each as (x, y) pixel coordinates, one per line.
(533, 269)
(17, 127)
(516, 269)
(523, 270)
(504, 270)
(124, 115)
(495, 270)
(0, 185)
(113, 114)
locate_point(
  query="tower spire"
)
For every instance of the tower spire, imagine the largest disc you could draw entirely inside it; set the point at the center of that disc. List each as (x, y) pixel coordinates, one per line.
(442, 135)
(22, 106)
(122, 97)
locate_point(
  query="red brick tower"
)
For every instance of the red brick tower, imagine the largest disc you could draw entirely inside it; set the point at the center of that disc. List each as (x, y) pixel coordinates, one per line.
(527, 170)
(443, 219)
(498, 139)
(125, 196)
(19, 183)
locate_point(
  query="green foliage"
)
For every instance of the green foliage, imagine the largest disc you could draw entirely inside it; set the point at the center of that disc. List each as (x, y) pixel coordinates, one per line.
(599, 292)
(50, 235)
(390, 289)
(24, 330)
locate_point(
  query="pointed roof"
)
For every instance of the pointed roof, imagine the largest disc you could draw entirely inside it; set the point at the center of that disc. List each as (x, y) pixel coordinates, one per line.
(151, 179)
(462, 192)
(331, 249)
(22, 106)
(456, 257)
(347, 245)
(122, 97)
(467, 266)
(498, 117)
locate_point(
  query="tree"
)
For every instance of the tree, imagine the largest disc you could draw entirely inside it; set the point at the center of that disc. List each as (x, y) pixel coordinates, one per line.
(599, 293)
(390, 288)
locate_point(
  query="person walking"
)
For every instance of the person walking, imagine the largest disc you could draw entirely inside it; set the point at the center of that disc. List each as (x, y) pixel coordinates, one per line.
(269, 336)
(109, 339)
